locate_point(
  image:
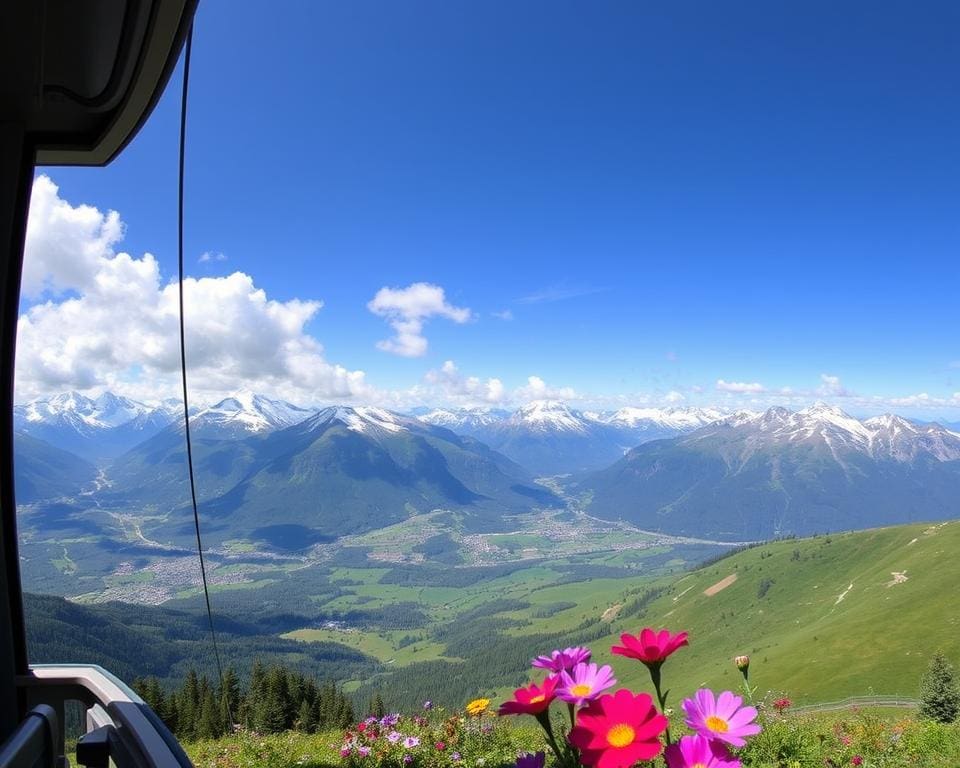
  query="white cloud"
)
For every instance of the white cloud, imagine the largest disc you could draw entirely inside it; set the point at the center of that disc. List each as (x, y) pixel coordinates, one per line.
(554, 293)
(406, 309)
(118, 328)
(537, 389)
(740, 387)
(211, 256)
(456, 387)
(505, 314)
(830, 386)
(674, 397)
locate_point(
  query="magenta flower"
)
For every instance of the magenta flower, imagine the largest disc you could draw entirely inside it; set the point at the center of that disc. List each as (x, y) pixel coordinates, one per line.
(721, 717)
(411, 741)
(585, 683)
(697, 751)
(567, 659)
(363, 751)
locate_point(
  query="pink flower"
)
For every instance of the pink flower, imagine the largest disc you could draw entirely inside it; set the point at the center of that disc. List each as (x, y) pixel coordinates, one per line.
(697, 751)
(533, 699)
(781, 704)
(567, 659)
(586, 682)
(345, 752)
(618, 730)
(652, 648)
(722, 717)
(856, 760)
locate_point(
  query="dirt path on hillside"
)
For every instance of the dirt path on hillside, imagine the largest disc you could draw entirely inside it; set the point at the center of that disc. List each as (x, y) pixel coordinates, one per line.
(720, 585)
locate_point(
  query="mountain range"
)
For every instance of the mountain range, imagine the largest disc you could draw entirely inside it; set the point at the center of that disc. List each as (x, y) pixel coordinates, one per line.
(270, 471)
(758, 476)
(341, 470)
(551, 438)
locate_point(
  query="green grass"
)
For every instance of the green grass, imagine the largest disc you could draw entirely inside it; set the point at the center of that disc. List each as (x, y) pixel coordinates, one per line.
(803, 638)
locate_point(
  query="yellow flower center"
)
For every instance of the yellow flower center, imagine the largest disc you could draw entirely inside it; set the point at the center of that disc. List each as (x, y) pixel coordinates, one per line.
(621, 735)
(537, 699)
(699, 765)
(717, 724)
(581, 689)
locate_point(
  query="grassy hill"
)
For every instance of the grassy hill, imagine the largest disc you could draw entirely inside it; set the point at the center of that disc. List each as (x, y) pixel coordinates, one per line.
(822, 618)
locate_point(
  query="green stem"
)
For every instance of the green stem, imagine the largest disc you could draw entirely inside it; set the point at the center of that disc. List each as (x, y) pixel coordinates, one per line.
(746, 685)
(661, 697)
(573, 717)
(544, 719)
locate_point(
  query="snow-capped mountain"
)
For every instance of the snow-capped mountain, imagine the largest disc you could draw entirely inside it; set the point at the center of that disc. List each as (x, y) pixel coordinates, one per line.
(754, 476)
(465, 421)
(550, 437)
(340, 470)
(96, 428)
(886, 437)
(246, 413)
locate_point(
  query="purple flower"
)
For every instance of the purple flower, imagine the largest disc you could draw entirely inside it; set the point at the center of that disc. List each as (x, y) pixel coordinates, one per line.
(456, 757)
(567, 659)
(697, 750)
(722, 717)
(407, 759)
(527, 760)
(394, 736)
(388, 721)
(428, 704)
(411, 741)
(363, 751)
(585, 683)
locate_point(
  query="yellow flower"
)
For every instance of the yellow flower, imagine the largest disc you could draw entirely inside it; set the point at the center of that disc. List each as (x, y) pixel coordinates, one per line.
(477, 707)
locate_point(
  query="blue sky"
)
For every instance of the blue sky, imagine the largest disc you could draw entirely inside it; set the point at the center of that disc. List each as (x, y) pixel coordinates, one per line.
(667, 201)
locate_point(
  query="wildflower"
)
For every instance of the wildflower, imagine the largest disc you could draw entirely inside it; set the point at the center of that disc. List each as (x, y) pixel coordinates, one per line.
(388, 721)
(407, 759)
(528, 760)
(363, 751)
(618, 730)
(652, 648)
(394, 736)
(567, 659)
(428, 704)
(410, 742)
(345, 752)
(721, 717)
(585, 683)
(456, 757)
(856, 760)
(697, 751)
(361, 727)
(531, 700)
(742, 662)
(781, 704)
(477, 707)
(440, 746)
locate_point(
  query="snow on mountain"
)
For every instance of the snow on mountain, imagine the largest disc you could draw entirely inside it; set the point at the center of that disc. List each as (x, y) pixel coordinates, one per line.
(93, 428)
(465, 420)
(677, 419)
(366, 420)
(549, 416)
(247, 413)
(881, 437)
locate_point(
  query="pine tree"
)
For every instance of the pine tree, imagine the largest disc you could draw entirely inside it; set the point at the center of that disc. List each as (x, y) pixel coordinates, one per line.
(939, 695)
(189, 706)
(209, 726)
(305, 722)
(378, 709)
(272, 714)
(229, 698)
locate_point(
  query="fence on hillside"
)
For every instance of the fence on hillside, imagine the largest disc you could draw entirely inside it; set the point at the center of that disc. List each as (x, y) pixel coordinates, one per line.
(859, 701)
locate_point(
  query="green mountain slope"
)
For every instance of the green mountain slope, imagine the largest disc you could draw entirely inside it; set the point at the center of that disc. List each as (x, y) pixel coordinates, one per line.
(822, 618)
(43, 471)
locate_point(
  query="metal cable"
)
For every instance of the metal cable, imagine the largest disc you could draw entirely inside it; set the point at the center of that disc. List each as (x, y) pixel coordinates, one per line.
(183, 354)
